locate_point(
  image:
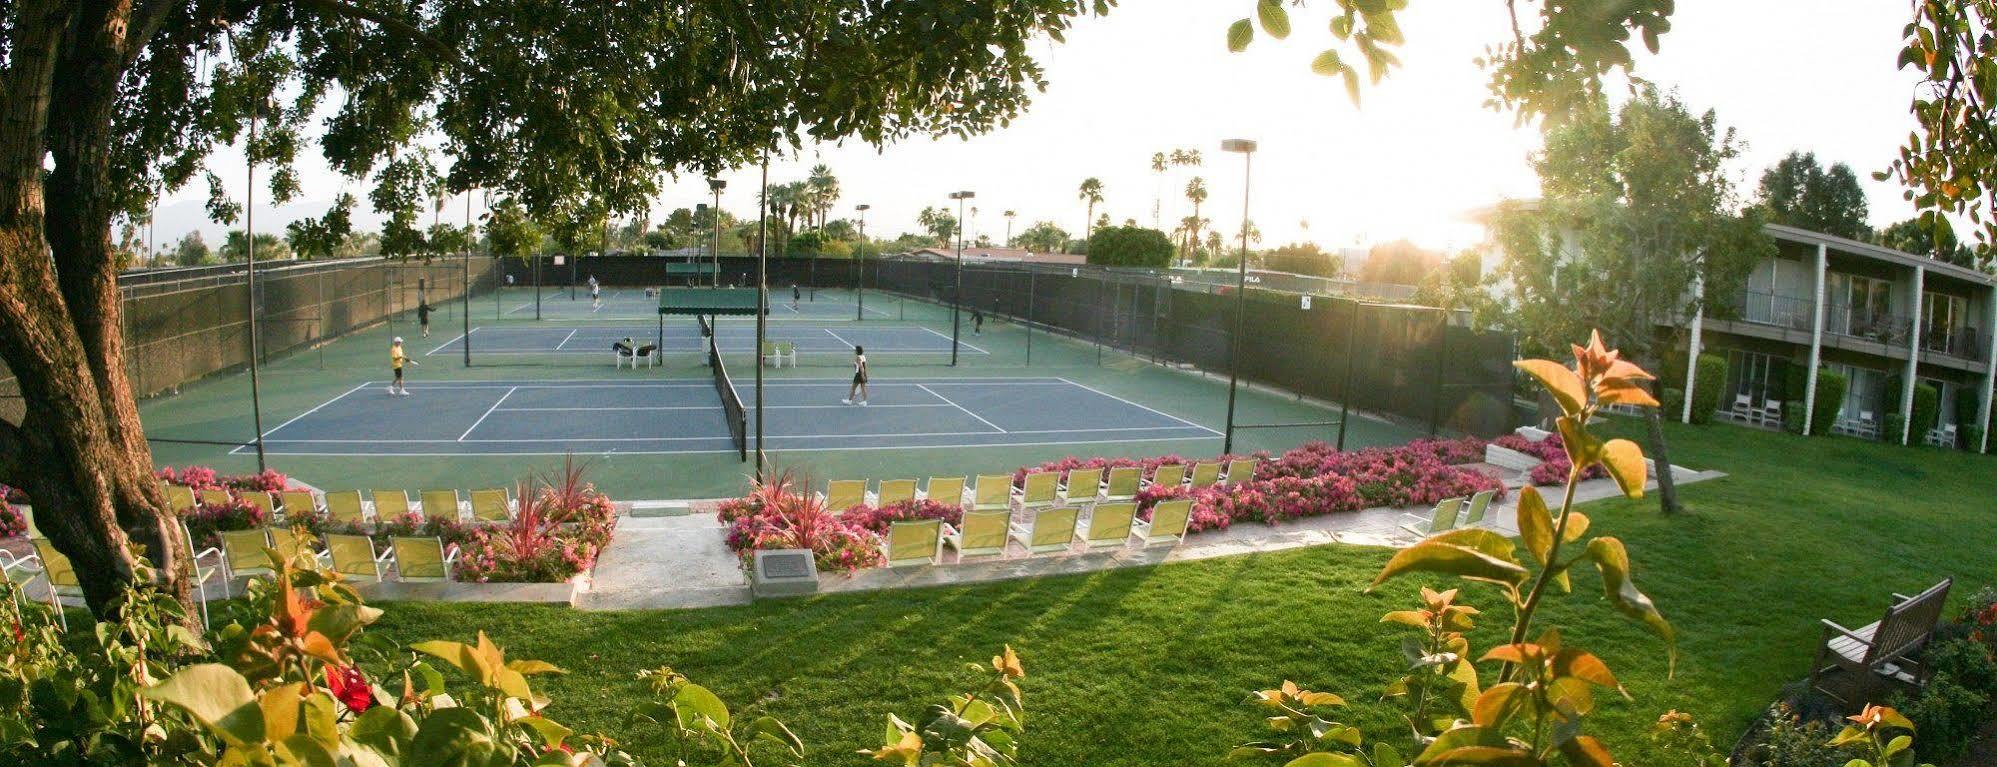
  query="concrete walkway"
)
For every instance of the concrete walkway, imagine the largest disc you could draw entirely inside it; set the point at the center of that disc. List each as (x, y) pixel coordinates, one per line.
(684, 562)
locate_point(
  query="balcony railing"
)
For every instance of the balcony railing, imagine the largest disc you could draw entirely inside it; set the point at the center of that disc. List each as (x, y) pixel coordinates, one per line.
(1962, 341)
(1791, 312)
(1853, 322)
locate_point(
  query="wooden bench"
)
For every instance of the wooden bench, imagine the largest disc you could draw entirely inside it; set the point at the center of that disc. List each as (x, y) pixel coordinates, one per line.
(1882, 648)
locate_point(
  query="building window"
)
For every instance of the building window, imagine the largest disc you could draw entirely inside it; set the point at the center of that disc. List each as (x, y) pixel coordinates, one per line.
(1761, 377)
(1944, 326)
(1864, 398)
(1862, 307)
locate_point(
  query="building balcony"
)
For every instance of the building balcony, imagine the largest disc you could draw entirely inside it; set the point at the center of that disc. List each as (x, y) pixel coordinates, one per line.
(1961, 342)
(1791, 312)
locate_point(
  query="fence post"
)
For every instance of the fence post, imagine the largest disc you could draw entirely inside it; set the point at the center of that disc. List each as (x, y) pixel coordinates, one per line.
(1031, 273)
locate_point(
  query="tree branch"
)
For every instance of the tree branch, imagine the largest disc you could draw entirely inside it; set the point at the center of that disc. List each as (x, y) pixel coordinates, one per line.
(386, 22)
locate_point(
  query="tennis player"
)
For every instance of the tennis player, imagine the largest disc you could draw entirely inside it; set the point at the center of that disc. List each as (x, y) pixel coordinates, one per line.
(595, 294)
(396, 359)
(859, 377)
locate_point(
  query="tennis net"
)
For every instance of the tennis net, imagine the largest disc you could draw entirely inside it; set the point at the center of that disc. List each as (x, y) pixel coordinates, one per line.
(731, 403)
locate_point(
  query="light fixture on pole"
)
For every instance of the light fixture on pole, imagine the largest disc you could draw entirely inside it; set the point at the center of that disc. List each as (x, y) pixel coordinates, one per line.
(1246, 149)
(957, 295)
(714, 250)
(860, 282)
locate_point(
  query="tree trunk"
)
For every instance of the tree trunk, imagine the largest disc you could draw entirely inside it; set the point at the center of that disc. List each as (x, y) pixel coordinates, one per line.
(1667, 487)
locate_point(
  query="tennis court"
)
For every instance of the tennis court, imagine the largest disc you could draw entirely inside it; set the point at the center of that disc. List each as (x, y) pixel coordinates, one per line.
(683, 336)
(557, 304)
(473, 418)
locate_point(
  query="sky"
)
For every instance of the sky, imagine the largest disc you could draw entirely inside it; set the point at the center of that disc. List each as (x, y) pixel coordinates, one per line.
(1409, 161)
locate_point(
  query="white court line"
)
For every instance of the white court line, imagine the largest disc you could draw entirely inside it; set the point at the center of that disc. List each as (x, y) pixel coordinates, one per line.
(967, 411)
(678, 383)
(567, 338)
(1154, 410)
(488, 411)
(511, 440)
(315, 409)
(619, 409)
(730, 449)
(965, 344)
(461, 336)
(835, 337)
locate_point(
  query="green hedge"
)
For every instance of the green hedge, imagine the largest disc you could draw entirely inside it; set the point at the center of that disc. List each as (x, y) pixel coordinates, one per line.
(1706, 391)
(1130, 246)
(1927, 408)
(1831, 387)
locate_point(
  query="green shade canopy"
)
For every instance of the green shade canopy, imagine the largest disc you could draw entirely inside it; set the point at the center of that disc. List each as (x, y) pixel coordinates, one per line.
(707, 301)
(685, 269)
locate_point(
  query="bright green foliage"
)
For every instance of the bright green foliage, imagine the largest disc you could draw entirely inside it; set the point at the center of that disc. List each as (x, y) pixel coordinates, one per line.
(1042, 237)
(1918, 236)
(1130, 246)
(1830, 398)
(1968, 403)
(1552, 71)
(322, 237)
(1927, 408)
(980, 728)
(1707, 390)
(1530, 712)
(1949, 163)
(705, 732)
(940, 223)
(1799, 192)
(1886, 737)
(509, 232)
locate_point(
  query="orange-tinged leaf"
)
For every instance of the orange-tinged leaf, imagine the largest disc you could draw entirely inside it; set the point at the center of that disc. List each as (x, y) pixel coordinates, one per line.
(1583, 448)
(1577, 526)
(1613, 561)
(1497, 705)
(1617, 391)
(1507, 653)
(1626, 369)
(1415, 618)
(1486, 756)
(1584, 666)
(1563, 384)
(1451, 559)
(1585, 751)
(1624, 461)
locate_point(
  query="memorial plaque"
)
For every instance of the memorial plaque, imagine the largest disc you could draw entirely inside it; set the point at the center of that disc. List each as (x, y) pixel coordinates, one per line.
(785, 572)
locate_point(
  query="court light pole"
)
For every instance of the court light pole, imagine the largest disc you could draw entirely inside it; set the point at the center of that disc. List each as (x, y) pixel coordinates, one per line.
(1246, 149)
(716, 185)
(250, 278)
(957, 295)
(860, 283)
(762, 293)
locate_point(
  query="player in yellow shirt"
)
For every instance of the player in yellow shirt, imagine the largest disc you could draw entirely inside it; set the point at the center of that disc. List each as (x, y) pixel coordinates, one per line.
(397, 359)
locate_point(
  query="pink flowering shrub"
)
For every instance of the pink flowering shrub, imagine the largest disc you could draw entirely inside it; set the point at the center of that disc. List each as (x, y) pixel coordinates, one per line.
(269, 481)
(1552, 454)
(557, 534)
(776, 517)
(205, 520)
(876, 520)
(1064, 465)
(204, 478)
(12, 523)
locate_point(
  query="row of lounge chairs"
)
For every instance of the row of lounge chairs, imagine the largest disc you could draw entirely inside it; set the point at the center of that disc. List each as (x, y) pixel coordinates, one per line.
(1043, 489)
(491, 505)
(1059, 529)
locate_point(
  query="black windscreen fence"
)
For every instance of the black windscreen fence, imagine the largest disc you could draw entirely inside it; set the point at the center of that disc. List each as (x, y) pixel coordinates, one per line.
(1409, 363)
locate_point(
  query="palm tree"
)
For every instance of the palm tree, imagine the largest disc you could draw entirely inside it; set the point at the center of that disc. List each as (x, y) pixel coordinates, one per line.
(1196, 191)
(1008, 227)
(824, 191)
(1214, 243)
(1158, 165)
(1092, 193)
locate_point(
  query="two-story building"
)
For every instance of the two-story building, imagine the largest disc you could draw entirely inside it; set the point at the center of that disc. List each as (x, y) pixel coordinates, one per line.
(1885, 319)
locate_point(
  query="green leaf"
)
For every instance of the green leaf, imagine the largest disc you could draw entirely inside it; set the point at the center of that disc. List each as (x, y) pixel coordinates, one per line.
(1239, 35)
(1583, 449)
(338, 622)
(383, 729)
(1385, 756)
(550, 732)
(694, 702)
(1450, 559)
(1613, 560)
(1327, 63)
(1323, 759)
(216, 696)
(1480, 539)
(1275, 20)
(452, 736)
(1624, 461)
(1535, 525)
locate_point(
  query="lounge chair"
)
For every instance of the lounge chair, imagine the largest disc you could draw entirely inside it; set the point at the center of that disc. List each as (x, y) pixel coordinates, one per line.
(59, 575)
(1168, 522)
(895, 491)
(1473, 514)
(345, 506)
(214, 496)
(1048, 530)
(914, 542)
(1443, 519)
(243, 553)
(982, 533)
(1123, 483)
(261, 500)
(179, 497)
(1882, 648)
(28, 518)
(390, 505)
(948, 491)
(1771, 413)
(1205, 474)
(298, 502)
(1240, 470)
(1109, 525)
(422, 560)
(441, 504)
(491, 505)
(1039, 490)
(1168, 475)
(843, 494)
(776, 353)
(1743, 409)
(295, 542)
(354, 556)
(993, 491)
(1084, 486)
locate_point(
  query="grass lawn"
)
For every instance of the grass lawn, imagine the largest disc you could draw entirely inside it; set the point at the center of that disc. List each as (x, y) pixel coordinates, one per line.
(1151, 666)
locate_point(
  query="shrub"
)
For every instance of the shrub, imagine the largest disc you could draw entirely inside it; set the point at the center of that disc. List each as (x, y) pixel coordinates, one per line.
(1972, 439)
(1706, 390)
(1787, 741)
(1831, 386)
(1890, 426)
(1968, 400)
(1946, 714)
(204, 520)
(1792, 417)
(784, 519)
(1673, 401)
(1927, 407)
(877, 520)
(1130, 246)
(12, 524)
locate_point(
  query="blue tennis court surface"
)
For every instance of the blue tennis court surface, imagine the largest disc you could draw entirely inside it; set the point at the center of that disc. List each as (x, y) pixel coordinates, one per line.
(685, 416)
(634, 304)
(682, 336)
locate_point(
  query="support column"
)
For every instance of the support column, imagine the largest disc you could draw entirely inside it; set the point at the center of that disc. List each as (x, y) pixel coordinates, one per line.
(1694, 347)
(1990, 370)
(1913, 359)
(1816, 338)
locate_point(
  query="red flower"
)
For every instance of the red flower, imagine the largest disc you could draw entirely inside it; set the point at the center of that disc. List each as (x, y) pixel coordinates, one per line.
(350, 688)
